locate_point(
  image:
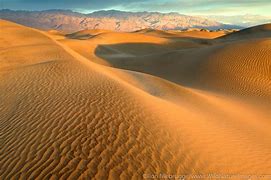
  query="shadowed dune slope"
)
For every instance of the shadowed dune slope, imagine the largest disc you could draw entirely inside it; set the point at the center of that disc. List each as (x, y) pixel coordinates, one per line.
(63, 116)
(239, 68)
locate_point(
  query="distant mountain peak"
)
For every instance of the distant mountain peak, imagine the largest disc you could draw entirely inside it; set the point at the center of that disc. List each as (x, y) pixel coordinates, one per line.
(69, 21)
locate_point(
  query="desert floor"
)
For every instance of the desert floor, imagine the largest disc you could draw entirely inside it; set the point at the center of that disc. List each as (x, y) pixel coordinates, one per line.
(97, 104)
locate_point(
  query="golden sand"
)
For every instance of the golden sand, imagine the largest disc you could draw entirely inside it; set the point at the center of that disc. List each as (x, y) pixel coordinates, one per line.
(101, 104)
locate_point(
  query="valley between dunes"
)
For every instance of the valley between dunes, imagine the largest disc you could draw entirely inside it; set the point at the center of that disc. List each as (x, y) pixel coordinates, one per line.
(98, 104)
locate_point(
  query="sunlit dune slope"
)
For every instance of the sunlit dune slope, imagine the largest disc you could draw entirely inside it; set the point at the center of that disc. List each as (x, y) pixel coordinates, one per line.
(154, 32)
(200, 34)
(261, 31)
(63, 116)
(193, 33)
(86, 34)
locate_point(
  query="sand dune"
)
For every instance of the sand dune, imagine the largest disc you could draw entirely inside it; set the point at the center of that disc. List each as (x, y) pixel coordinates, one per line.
(187, 60)
(261, 31)
(86, 34)
(182, 106)
(191, 33)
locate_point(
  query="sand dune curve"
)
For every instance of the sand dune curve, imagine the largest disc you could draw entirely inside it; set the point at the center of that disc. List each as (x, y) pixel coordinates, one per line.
(65, 116)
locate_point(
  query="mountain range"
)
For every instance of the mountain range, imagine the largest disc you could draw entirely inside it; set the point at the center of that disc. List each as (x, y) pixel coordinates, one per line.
(69, 21)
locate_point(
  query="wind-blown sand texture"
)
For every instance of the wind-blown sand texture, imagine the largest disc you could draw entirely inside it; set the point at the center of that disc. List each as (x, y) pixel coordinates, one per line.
(100, 104)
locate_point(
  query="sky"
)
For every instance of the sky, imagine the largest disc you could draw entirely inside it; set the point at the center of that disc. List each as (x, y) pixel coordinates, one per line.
(224, 10)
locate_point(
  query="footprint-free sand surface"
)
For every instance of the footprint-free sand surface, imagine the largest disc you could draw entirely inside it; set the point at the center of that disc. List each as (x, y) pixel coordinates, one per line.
(98, 104)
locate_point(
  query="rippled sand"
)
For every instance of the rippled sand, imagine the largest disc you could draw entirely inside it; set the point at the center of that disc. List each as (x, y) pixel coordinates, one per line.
(101, 104)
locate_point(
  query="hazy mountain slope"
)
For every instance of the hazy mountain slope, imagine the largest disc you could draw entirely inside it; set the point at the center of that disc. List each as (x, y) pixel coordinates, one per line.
(69, 21)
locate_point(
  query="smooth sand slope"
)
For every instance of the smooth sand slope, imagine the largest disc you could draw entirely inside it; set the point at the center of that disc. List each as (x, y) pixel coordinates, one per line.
(64, 114)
